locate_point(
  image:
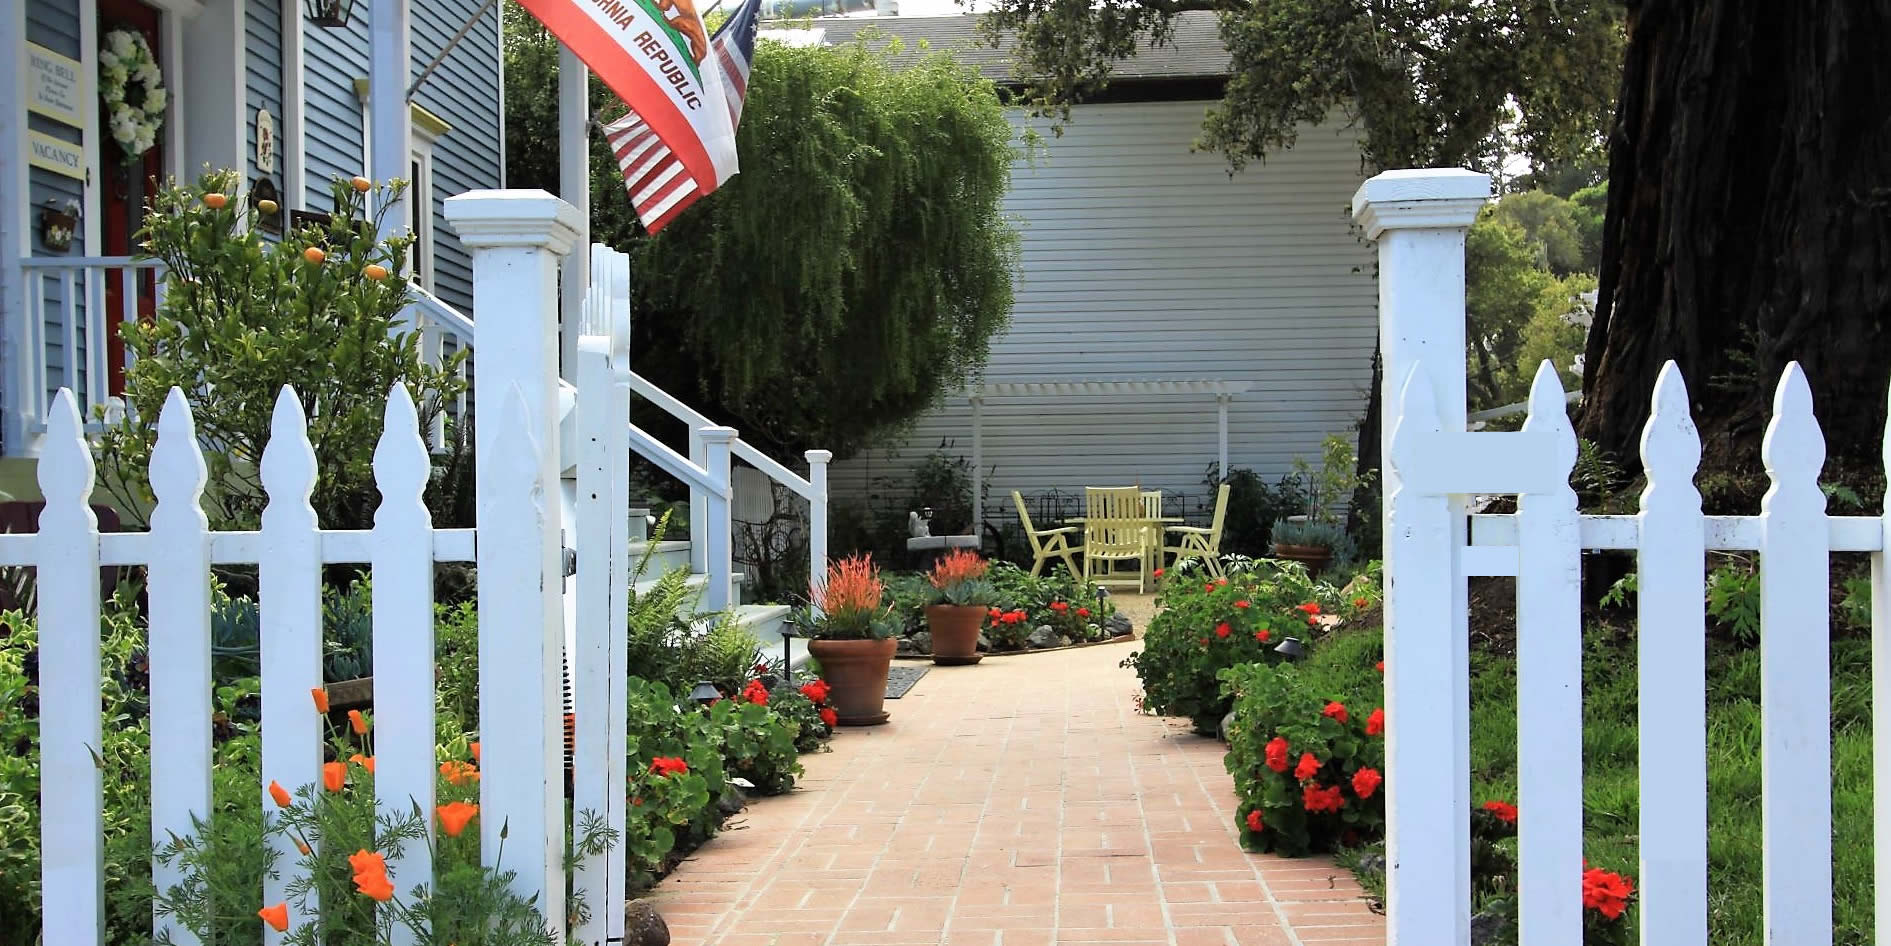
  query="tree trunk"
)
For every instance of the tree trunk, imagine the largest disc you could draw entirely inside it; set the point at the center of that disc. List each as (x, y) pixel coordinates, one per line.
(1749, 223)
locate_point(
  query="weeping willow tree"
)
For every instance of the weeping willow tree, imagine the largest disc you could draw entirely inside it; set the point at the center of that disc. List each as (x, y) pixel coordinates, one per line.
(850, 276)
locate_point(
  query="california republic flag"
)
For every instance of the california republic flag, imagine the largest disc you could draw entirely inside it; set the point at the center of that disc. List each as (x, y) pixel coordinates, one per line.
(655, 55)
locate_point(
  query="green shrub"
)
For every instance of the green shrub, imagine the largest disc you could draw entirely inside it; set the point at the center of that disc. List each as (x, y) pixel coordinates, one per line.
(1208, 625)
(1069, 606)
(1308, 766)
(682, 817)
(757, 743)
(813, 719)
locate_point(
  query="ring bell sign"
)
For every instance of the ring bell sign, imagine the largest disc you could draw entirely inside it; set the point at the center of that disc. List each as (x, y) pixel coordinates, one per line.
(654, 55)
(55, 85)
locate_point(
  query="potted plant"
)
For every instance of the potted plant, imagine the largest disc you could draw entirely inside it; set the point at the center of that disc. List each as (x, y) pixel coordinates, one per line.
(960, 595)
(850, 631)
(1311, 538)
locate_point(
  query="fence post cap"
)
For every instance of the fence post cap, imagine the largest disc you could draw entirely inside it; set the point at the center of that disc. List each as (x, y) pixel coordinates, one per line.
(514, 218)
(717, 434)
(819, 456)
(1415, 198)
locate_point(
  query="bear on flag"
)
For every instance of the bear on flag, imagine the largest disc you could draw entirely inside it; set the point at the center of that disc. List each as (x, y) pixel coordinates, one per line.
(655, 54)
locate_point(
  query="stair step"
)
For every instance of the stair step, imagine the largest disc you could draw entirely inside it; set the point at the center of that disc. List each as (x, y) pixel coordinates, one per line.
(766, 622)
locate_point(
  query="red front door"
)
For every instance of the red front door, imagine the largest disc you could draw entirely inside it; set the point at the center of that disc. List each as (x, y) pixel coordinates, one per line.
(127, 187)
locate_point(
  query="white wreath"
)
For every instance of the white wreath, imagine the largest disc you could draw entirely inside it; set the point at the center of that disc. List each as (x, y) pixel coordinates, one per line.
(129, 84)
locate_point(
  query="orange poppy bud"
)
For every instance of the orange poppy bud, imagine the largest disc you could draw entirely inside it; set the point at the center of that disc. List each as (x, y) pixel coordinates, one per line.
(332, 774)
(453, 817)
(358, 722)
(314, 255)
(320, 696)
(277, 917)
(361, 184)
(279, 795)
(303, 846)
(215, 201)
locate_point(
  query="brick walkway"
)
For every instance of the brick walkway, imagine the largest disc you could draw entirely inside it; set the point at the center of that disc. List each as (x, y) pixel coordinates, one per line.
(1020, 802)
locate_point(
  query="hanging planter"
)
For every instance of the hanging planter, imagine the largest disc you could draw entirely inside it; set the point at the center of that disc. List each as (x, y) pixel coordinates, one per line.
(133, 91)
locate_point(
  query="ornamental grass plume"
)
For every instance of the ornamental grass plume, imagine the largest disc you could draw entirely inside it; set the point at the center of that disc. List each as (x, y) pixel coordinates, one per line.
(850, 603)
(957, 567)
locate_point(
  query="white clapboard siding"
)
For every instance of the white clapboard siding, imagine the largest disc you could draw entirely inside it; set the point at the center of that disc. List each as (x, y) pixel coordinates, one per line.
(289, 582)
(404, 735)
(179, 590)
(1143, 261)
(1671, 615)
(72, 847)
(1795, 674)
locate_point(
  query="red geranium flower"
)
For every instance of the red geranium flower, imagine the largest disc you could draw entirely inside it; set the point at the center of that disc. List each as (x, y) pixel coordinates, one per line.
(1375, 724)
(755, 693)
(1504, 811)
(1254, 821)
(1158, 573)
(996, 614)
(1335, 710)
(1059, 607)
(667, 766)
(1221, 582)
(1308, 767)
(830, 717)
(1381, 666)
(1311, 608)
(1277, 754)
(1209, 588)
(1317, 799)
(1244, 604)
(1261, 635)
(1366, 781)
(1204, 642)
(1606, 892)
(1083, 612)
(816, 692)
(1222, 630)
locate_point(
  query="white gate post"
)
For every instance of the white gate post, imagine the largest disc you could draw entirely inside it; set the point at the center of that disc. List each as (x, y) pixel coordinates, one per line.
(1419, 217)
(516, 238)
(817, 517)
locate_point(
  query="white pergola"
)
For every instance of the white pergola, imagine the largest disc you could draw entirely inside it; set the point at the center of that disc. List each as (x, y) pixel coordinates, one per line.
(1223, 392)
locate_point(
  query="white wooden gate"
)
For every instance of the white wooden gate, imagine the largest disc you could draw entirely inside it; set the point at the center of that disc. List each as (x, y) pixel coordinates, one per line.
(1432, 547)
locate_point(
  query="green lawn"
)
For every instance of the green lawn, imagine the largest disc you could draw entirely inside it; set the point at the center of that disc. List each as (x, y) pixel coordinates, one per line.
(1610, 788)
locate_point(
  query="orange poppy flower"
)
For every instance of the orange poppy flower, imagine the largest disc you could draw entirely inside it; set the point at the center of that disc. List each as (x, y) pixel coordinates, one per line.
(279, 795)
(358, 722)
(332, 776)
(277, 917)
(365, 761)
(453, 818)
(459, 773)
(475, 750)
(375, 886)
(320, 696)
(365, 861)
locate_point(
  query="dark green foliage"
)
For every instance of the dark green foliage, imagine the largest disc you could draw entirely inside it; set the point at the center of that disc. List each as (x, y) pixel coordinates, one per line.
(811, 732)
(758, 744)
(1527, 263)
(1431, 83)
(1254, 507)
(347, 634)
(1281, 717)
(860, 258)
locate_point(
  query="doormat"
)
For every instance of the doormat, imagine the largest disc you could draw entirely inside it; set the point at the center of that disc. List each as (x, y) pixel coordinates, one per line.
(901, 679)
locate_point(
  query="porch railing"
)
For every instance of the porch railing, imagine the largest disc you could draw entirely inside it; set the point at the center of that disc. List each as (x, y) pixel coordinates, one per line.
(67, 314)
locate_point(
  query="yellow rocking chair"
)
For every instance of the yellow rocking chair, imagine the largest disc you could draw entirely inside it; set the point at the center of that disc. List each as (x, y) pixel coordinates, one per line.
(1205, 544)
(1046, 544)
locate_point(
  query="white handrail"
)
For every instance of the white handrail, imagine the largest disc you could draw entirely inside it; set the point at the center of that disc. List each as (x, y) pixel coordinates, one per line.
(676, 464)
(741, 449)
(436, 310)
(664, 399)
(747, 453)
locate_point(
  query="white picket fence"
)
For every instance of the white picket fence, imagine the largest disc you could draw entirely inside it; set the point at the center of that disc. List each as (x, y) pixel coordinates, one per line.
(516, 238)
(1432, 547)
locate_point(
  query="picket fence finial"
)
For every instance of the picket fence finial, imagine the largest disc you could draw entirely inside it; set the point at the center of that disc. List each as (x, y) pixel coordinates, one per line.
(288, 465)
(401, 463)
(1549, 413)
(66, 473)
(178, 472)
(1794, 447)
(1670, 443)
(1417, 414)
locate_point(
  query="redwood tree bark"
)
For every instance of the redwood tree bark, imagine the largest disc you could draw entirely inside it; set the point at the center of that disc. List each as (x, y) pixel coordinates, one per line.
(1749, 222)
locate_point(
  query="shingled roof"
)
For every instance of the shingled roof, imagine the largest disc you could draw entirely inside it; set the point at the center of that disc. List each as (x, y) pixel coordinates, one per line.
(1194, 51)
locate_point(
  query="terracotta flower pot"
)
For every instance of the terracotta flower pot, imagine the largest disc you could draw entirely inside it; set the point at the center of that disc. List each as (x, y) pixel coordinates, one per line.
(955, 633)
(855, 672)
(1315, 557)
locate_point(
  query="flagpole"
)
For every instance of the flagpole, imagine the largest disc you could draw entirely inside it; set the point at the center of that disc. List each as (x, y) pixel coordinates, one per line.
(574, 185)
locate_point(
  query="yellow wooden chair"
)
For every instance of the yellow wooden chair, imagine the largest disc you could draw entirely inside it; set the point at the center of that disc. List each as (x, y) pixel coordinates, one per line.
(1196, 542)
(1115, 529)
(1046, 544)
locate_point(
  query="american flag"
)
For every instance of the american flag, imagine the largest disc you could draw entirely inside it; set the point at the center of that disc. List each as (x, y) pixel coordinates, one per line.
(660, 187)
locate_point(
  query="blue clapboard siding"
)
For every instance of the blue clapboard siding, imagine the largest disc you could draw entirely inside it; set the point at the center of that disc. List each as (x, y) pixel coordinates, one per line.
(54, 24)
(463, 90)
(332, 59)
(262, 41)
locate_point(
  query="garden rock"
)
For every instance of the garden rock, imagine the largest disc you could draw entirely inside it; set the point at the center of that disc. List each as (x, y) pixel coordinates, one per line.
(1045, 636)
(730, 804)
(1227, 726)
(905, 647)
(1118, 625)
(922, 642)
(1489, 929)
(644, 926)
(984, 643)
(1063, 640)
